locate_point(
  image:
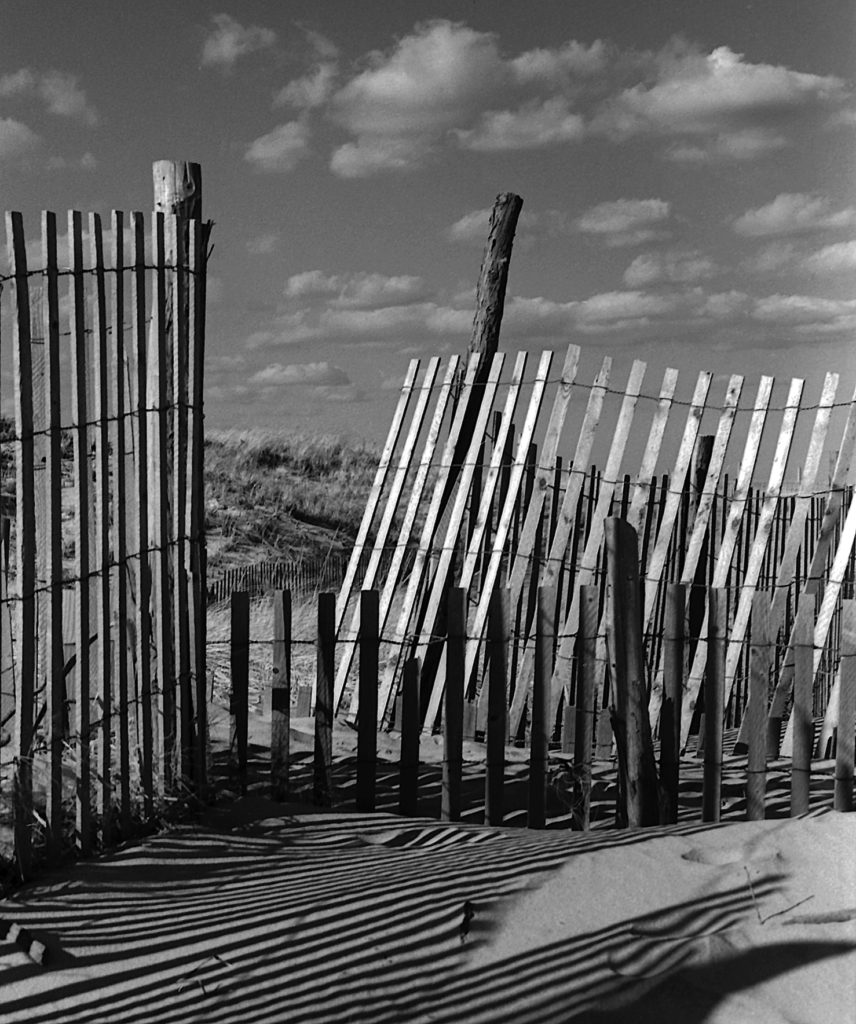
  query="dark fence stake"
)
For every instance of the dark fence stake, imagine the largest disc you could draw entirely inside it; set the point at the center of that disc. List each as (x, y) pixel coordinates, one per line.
(367, 715)
(240, 693)
(674, 661)
(325, 671)
(497, 707)
(756, 709)
(408, 767)
(538, 737)
(586, 704)
(844, 754)
(280, 695)
(453, 708)
(803, 733)
(637, 788)
(714, 696)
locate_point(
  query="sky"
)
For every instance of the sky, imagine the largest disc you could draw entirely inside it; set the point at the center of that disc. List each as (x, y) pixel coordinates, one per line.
(686, 169)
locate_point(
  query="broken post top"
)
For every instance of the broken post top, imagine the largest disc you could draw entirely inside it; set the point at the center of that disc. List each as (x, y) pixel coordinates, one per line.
(490, 295)
(178, 188)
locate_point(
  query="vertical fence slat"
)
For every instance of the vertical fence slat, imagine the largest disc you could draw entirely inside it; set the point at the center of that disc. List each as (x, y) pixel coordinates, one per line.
(539, 729)
(280, 695)
(408, 767)
(144, 704)
(178, 398)
(497, 724)
(54, 639)
(324, 679)
(714, 709)
(803, 731)
(586, 706)
(674, 656)
(26, 543)
(453, 706)
(843, 797)
(119, 590)
(367, 721)
(240, 682)
(756, 710)
(80, 412)
(100, 414)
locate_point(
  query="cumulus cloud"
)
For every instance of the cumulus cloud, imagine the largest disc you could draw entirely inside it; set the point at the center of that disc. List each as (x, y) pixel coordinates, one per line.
(622, 308)
(301, 373)
(59, 91)
(677, 266)
(16, 139)
(472, 228)
(559, 67)
(227, 41)
(837, 314)
(793, 213)
(624, 222)
(263, 244)
(281, 150)
(697, 93)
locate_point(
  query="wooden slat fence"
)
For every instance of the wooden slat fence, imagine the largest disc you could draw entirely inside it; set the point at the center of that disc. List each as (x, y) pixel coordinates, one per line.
(102, 623)
(527, 508)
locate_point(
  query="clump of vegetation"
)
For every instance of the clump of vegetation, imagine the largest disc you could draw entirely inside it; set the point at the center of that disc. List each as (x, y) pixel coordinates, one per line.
(280, 496)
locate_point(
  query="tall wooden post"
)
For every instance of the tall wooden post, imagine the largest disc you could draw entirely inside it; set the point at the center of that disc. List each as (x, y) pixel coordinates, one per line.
(714, 704)
(453, 708)
(674, 657)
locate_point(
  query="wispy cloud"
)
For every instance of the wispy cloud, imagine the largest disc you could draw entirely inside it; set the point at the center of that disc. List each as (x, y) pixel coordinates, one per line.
(281, 150)
(16, 139)
(59, 91)
(301, 373)
(676, 266)
(358, 290)
(792, 213)
(624, 222)
(227, 41)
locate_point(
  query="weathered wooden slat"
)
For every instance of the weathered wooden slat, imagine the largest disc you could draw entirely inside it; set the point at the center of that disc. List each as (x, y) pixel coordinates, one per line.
(145, 709)
(197, 259)
(79, 414)
(756, 709)
(564, 527)
(430, 525)
(714, 705)
(160, 363)
(804, 727)
(375, 492)
(120, 519)
(564, 654)
(100, 414)
(503, 526)
(280, 695)
(727, 544)
(239, 666)
(53, 552)
(453, 710)
(25, 531)
(811, 585)
(391, 507)
(367, 727)
(496, 726)
(453, 529)
(408, 771)
(846, 711)
(178, 399)
(539, 736)
(762, 534)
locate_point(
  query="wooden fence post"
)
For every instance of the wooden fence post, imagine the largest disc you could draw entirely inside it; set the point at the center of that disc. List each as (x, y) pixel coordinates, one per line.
(586, 705)
(368, 686)
(497, 719)
(714, 695)
(539, 735)
(280, 695)
(674, 664)
(803, 732)
(325, 672)
(240, 692)
(408, 767)
(638, 793)
(844, 753)
(756, 709)
(453, 708)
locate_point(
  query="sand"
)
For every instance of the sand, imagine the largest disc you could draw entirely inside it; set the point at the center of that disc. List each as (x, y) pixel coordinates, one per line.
(268, 913)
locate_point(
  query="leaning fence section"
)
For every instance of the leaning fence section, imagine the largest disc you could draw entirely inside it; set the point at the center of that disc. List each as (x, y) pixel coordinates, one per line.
(102, 622)
(508, 473)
